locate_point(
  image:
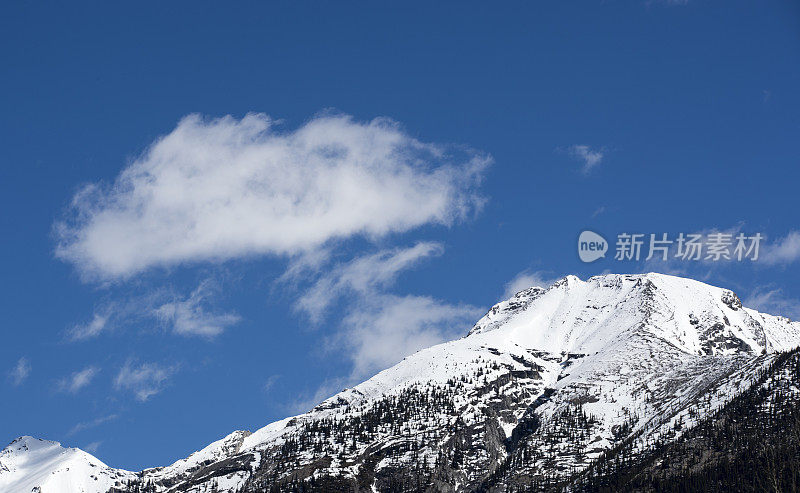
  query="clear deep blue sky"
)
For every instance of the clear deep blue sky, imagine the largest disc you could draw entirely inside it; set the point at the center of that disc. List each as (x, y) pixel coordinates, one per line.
(694, 108)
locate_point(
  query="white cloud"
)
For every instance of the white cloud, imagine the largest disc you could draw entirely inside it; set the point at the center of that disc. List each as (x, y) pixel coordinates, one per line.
(305, 263)
(590, 157)
(386, 328)
(189, 317)
(363, 275)
(270, 382)
(525, 280)
(98, 324)
(92, 447)
(190, 314)
(379, 329)
(78, 380)
(20, 372)
(144, 380)
(85, 425)
(216, 189)
(774, 302)
(784, 251)
(382, 330)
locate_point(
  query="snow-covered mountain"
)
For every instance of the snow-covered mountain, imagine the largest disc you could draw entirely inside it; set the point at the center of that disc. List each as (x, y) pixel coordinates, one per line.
(545, 385)
(34, 465)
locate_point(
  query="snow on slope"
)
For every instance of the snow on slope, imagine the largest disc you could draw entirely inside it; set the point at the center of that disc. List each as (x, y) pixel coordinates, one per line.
(213, 452)
(629, 347)
(33, 465)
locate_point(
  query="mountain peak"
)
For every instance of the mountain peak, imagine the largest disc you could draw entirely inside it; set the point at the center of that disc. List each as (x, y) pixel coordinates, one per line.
(26, 443)
(572, 315)
(31, 464)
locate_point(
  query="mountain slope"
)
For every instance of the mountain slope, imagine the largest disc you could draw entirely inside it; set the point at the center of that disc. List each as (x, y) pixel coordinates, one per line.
(541, 388)
(757, 432)
(40, 466)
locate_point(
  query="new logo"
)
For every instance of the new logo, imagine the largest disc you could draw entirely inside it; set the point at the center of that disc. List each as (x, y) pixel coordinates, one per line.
(591, 246)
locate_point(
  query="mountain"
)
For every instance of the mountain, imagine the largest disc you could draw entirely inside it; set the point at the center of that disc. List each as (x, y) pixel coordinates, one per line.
(34, 465)
(581, 385)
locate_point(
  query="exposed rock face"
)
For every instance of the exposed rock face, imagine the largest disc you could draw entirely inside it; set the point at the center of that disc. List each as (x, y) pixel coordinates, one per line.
(541, 390)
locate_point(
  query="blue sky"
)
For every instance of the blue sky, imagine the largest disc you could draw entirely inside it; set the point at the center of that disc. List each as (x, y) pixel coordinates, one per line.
(169, 278)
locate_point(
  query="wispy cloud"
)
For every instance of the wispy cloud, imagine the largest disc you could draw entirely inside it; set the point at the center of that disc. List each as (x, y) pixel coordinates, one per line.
(113, 315)
(270, 382)
(363, 275)
(191, 314)
(598, 211)
(380, 333)
(97, 325)
(784, 251)
(216, 189)
(20, 372)
(85, 425)
(379, 329)
(384, 329)
(773, 301)
(588, 156)
(78, 380)
(143, 380)
(92, 447)
(190, 317)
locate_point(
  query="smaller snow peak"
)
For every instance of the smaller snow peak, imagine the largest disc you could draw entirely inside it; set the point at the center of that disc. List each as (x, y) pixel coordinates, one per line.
(18, 442)
(31, 464)
(28, 443)
(24, 440)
